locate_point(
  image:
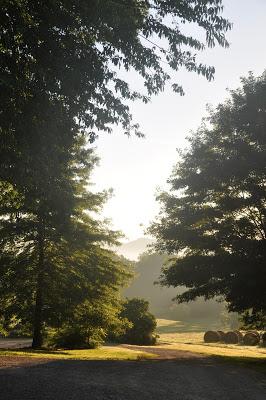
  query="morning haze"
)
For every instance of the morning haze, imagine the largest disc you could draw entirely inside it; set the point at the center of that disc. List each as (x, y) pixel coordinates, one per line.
(145, 294)
(134, 167)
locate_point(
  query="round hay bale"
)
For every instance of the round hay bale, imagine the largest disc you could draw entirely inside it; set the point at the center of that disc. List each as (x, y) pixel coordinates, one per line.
(255, 333)
(251, 339)
(231, 338)
(222, 335)
(240, 335)
(263, 337)
(211, 337)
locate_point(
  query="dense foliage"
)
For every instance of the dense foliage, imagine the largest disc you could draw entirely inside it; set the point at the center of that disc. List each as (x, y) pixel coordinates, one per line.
(56, 271)
(213, 221)
(142, 322)
(68, 54)
(254, 320)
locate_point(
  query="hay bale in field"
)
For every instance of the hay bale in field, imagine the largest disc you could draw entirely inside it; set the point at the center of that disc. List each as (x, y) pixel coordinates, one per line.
(212, 337)
(240, 336)
(251, 339)
(255, 333)
(222, 335)
(263, 338)
(231, 338)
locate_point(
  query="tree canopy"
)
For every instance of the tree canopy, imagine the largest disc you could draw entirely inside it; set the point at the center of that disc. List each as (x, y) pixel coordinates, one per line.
(212, 221)
(68, 54)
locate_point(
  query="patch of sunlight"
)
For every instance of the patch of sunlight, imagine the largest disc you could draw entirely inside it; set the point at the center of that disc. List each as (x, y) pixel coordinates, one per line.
(222, 350)
(103, 353)
(193, 341)
(168, 326)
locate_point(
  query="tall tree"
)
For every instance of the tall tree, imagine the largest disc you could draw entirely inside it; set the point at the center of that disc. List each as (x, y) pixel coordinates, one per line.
(213, 221)
(52, 256)
(37, 204)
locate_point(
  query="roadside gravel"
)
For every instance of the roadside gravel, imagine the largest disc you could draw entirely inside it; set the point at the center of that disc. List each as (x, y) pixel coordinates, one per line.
(181, 378)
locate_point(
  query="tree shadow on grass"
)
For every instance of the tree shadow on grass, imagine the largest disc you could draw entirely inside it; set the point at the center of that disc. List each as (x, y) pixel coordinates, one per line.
(30, 351)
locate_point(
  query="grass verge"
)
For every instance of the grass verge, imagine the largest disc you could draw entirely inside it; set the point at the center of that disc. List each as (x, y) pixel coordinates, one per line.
(103, 353)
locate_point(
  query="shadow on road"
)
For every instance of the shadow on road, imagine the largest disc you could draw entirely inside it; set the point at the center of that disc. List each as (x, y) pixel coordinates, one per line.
(185, 379)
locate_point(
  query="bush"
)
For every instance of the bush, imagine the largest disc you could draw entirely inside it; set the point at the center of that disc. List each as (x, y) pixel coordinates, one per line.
(74, 337)
(3, 331)
(143, 323)
(14, 328)
(254, 320)
(88, 326)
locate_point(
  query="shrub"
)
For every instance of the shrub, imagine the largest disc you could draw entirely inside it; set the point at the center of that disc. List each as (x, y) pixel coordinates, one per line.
(85, 329)
(254, 320)
(74, 337)
(143, 323)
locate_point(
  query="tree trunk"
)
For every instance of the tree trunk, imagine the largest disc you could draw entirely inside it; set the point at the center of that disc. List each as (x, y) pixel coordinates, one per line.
(38, 317)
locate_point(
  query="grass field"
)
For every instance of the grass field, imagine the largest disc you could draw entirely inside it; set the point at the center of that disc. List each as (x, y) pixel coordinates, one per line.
(103, 353)
(170, 326)
(172, 337)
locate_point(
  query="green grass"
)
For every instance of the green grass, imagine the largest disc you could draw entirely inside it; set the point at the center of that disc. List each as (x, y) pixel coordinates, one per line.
(172, 326)
(172, 337)
(103, 353)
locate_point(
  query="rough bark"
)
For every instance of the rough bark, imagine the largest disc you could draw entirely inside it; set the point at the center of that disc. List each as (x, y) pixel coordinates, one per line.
(38, 312)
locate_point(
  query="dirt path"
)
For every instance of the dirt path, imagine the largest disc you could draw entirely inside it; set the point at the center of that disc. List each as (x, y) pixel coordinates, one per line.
(187, 377)
(164, 353)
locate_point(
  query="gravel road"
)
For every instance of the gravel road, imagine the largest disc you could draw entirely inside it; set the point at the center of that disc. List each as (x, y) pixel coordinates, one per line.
(199, 378)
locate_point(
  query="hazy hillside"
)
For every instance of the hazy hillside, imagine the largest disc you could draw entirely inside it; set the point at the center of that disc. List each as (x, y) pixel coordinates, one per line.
(132, 250)
(148, 269)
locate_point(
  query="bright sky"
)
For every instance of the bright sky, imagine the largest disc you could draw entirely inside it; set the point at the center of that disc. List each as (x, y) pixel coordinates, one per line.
(134, 167)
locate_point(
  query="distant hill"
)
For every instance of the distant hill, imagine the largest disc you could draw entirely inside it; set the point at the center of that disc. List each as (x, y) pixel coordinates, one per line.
(148, 270)
(132, 250)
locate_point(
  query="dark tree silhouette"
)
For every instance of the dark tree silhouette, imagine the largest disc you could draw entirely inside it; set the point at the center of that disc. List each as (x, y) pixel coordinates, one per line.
(214, 219)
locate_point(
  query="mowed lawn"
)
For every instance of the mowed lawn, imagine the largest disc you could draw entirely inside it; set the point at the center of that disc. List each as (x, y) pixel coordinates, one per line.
(175, 335)
(103, 353)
